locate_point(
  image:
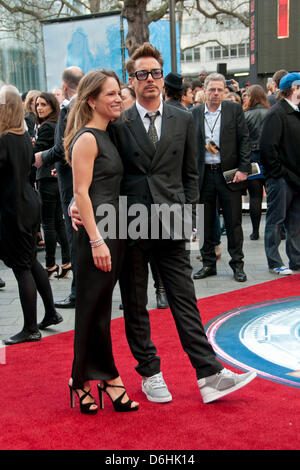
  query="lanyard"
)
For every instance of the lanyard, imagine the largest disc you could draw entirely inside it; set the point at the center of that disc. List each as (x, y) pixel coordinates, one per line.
(213, 128)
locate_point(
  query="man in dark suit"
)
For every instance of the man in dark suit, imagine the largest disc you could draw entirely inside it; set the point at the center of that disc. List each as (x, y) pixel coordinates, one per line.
(223, 144)
(156, 142)
(70, 80)
(280, 157)
(173, 90)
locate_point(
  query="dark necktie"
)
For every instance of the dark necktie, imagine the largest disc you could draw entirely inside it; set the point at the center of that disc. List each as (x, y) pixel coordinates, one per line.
(152, 133)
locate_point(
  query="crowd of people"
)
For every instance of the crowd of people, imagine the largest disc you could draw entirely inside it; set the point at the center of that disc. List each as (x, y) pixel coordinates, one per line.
(157, 141)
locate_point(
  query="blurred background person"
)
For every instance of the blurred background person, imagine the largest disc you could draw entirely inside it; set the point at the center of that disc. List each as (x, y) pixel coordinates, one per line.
(59, 95)
(128, 97)
(272, 96)
(232, 96)
(20, 214)
(30, 111)
(47, 110)
(256, 106)
(199, 98)
(187, 98)
(173, 90)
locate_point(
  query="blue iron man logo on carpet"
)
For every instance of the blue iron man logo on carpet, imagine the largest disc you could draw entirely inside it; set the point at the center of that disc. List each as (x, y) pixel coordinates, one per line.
(264, 337)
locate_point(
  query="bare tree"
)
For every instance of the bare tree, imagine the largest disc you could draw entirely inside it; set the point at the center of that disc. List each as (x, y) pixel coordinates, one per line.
(18, 16)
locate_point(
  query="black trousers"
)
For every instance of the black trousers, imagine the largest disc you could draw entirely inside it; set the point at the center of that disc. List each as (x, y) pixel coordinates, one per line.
(52, 221)
(214, 187)
(173, 263)
(66, 194)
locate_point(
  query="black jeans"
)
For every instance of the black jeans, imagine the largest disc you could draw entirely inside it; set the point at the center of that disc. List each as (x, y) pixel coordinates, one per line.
(52, 221)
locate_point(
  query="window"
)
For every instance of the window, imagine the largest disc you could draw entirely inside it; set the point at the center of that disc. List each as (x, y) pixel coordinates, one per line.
(227, 52)
(191, 55)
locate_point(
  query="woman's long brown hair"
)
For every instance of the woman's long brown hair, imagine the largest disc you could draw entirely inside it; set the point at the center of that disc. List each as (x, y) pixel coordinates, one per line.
(257, 95)
(81, 113)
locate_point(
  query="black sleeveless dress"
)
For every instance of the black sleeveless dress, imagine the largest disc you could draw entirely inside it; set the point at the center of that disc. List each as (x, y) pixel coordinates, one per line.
(93, 357)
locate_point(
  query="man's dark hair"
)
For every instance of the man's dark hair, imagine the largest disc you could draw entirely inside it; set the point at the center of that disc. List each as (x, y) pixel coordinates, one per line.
(196, 83)
(186, 86)
(146, 50)
(278, 76)
(172, 93)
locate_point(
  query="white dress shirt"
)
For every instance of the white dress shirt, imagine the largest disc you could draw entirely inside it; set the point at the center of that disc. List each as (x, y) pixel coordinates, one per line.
(146, 121)
(212, 127)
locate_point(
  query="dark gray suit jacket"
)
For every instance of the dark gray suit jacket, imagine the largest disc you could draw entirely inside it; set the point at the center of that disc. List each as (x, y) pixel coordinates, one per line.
(167, 174)
(234, 140)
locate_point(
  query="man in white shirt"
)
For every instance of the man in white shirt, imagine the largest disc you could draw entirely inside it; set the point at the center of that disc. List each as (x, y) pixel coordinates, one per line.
(222, 144)
(156, 142)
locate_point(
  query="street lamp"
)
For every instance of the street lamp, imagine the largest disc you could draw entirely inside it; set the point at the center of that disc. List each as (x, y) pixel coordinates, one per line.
(172, 20)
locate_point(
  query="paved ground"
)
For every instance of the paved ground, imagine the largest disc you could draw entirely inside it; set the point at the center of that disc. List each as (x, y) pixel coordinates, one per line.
(255, 268)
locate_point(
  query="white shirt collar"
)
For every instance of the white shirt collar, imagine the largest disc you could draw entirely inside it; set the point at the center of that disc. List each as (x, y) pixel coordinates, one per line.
(206, 110)
(143, 111)
(294, 106)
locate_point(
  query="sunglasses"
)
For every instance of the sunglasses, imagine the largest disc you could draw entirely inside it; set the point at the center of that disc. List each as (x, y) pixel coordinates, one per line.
(143, 74)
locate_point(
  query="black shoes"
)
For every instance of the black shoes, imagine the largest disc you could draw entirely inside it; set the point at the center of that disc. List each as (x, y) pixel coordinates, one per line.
(89, 408)
(23, 337)
(254, 236)
(117, 403)
(239, 275)
(48, 321)
(206, 271)
(69, 302)
(2, 283)
(161, 300)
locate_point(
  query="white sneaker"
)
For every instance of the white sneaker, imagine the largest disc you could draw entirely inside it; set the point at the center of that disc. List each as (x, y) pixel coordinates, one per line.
(281, 271)
(155, 389)
(221, 384)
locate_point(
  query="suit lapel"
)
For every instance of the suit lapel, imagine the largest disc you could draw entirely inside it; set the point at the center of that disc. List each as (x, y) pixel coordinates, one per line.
(166, 131)
(201, 122)
(138, 131)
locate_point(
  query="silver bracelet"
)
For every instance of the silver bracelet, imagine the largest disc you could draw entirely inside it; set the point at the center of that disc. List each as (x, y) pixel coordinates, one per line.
(95, 243)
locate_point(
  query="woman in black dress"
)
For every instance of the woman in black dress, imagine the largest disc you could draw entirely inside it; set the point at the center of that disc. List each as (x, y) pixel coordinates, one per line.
(97, 173)
(47, 111)
(20, 217)
(256, 106)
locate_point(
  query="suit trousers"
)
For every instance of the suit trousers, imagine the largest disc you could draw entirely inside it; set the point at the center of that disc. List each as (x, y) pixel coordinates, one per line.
(66, 194)
(214, 187)
(283, 207)
(173, 262)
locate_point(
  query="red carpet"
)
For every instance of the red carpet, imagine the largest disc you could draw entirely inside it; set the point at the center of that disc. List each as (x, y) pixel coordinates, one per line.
(36, 415)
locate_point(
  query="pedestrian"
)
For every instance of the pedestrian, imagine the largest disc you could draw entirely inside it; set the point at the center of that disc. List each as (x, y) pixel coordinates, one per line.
(280, 157)
(20, 218)
(222, 145)
(97, 174)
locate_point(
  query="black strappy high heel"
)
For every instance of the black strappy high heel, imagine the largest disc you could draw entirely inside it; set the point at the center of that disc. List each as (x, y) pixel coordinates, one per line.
(64, 271)
(117, 403)
(51, 271)
(85, 408)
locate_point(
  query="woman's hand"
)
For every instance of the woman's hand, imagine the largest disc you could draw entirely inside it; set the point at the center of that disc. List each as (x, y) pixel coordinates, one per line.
(75, 216)
(101, 256)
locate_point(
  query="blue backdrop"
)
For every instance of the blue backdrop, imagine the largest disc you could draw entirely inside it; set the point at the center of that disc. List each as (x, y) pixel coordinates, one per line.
(92, 43)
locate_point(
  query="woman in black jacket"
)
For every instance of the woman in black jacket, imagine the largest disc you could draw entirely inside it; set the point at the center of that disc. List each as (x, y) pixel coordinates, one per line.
(47, 110)
(20, 218)
(255, 106)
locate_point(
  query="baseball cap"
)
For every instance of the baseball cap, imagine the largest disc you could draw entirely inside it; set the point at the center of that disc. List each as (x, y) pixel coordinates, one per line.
(288, 80)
